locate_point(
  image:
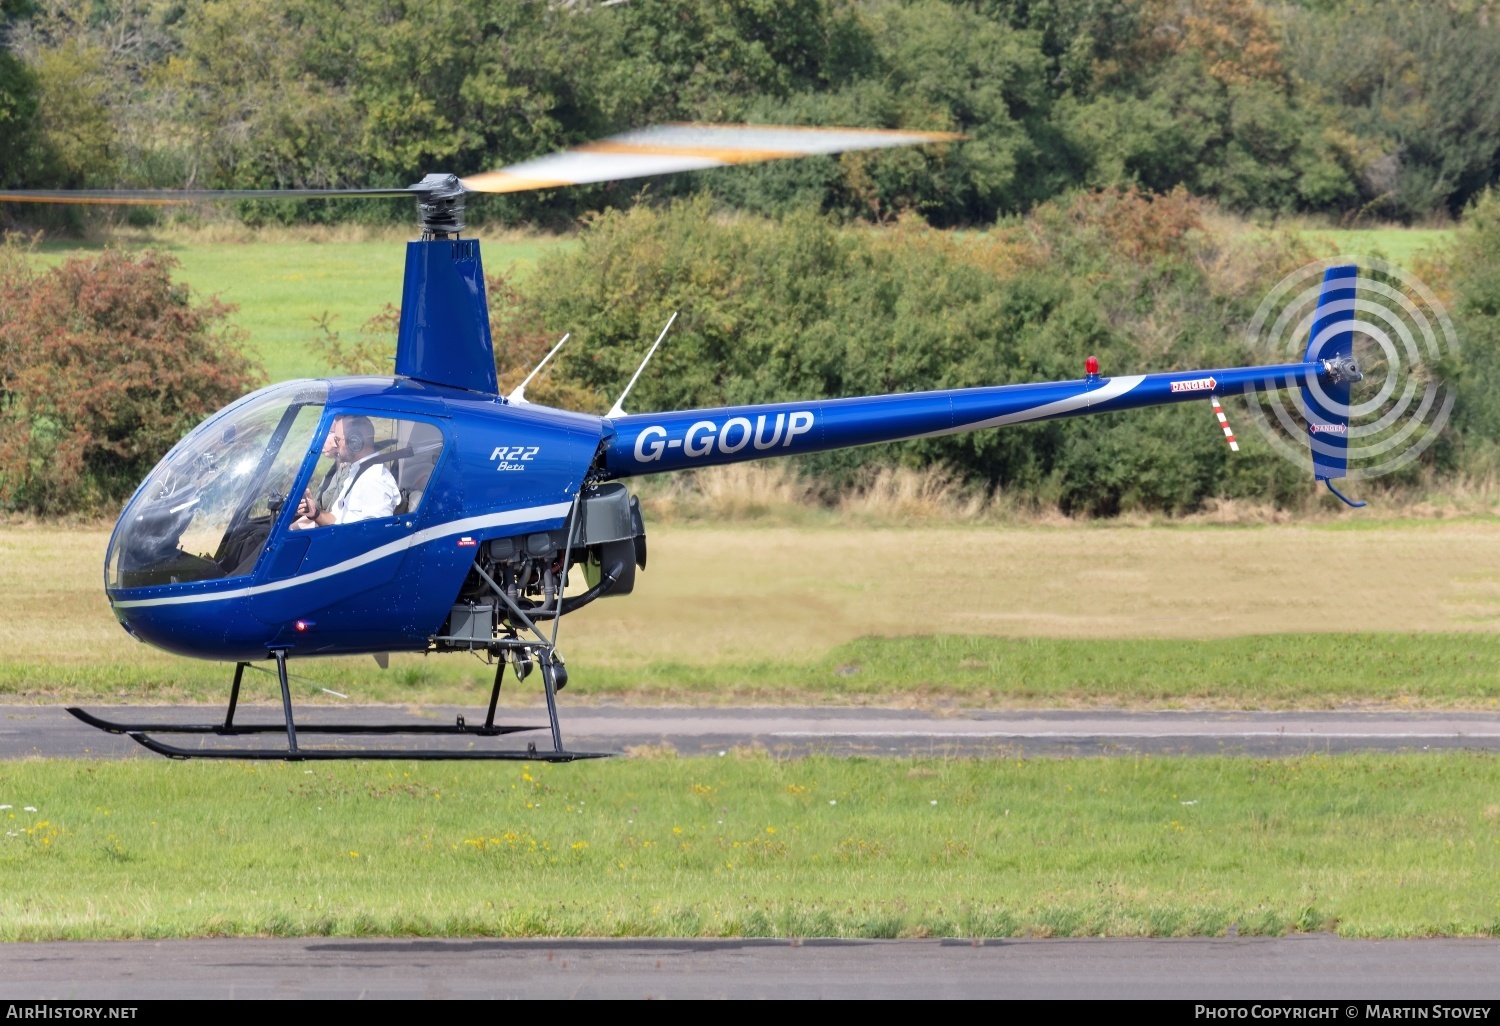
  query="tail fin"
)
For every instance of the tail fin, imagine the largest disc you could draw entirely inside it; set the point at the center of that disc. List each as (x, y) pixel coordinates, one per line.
(1327, 405)
(444, 336)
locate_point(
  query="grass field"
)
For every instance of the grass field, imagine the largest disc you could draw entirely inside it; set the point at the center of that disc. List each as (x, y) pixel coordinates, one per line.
(1316, 615)
(1395, 845)
(282, 285)
(1398, 245)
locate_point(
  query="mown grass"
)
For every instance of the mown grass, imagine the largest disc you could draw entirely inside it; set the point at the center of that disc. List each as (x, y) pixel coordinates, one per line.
(282, 285)
(1389, 845)
(1267, 671)
(1397, 245)
(1276, 671)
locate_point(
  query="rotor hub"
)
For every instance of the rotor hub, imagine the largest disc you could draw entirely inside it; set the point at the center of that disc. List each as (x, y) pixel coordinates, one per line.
(1342, 369)
(440, 205)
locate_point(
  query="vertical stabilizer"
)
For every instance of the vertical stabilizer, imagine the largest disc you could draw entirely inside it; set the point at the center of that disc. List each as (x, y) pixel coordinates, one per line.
(445, 318)
(1327, 400)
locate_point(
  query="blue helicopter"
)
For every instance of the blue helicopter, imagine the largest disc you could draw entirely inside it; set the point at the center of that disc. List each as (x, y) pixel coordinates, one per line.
(425, 512)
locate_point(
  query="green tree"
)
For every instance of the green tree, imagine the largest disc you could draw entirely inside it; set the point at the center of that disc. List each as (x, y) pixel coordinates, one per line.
(1347, 106)
(18, 105)
(18, 126)
(1474, 272)
(75, 117)
(1419, 85)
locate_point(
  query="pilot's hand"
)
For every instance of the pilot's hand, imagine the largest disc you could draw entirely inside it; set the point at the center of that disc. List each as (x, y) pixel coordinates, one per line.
(305, 508)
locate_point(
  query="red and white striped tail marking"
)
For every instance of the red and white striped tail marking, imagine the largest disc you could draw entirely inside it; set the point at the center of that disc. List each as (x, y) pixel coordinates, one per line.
(1224, 422)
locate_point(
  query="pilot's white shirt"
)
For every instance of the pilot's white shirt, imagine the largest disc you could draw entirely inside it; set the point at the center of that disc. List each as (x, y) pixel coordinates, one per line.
(371, 494)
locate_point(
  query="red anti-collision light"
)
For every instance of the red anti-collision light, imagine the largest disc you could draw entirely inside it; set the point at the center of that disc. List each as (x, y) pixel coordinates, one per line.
(1091, 366)
(302, 625)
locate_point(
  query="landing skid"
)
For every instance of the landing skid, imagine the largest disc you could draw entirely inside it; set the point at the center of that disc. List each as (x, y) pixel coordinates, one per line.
(333, 754)
(111, 727)
(141, 732)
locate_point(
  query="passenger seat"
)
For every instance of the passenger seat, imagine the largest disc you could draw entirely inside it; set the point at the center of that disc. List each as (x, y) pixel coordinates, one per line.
(415, 471)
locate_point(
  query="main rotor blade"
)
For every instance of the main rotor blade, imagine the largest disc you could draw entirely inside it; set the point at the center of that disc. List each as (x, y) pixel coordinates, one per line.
(662, 149)
(169, 197)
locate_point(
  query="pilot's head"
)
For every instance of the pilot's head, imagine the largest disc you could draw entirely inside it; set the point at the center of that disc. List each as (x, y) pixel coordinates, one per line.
(351, 437)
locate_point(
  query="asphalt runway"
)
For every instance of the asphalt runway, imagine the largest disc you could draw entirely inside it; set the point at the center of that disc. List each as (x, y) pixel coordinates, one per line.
(1298, 967)
(49, 732)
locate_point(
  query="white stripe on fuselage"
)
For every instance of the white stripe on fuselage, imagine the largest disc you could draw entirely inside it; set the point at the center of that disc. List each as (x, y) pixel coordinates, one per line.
(1112, 388)
(516, 516)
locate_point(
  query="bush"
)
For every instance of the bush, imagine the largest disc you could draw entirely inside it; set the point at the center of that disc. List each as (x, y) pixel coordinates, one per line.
(104, 364)
(1473, 271)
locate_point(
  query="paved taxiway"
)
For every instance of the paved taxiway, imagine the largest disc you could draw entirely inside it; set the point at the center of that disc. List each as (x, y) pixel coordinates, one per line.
(1308, 966)
(50, 732)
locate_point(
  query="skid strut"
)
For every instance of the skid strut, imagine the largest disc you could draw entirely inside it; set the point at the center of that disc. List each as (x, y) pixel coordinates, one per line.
(294, 752)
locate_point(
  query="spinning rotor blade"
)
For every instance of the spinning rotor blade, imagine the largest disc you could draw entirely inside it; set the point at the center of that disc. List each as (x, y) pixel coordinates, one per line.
(168, 197)
(658, 150)
(662, 149)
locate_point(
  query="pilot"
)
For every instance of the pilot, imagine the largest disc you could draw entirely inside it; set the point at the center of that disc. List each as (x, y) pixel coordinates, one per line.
(363, 489)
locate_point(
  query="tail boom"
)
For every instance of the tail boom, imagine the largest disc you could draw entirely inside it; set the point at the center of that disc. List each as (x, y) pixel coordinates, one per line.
(657, 442)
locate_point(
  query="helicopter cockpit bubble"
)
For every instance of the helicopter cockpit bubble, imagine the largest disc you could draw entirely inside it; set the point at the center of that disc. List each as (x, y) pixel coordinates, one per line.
(206, 510)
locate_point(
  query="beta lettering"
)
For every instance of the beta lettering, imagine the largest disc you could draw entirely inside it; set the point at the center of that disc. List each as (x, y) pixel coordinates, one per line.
(510, 457)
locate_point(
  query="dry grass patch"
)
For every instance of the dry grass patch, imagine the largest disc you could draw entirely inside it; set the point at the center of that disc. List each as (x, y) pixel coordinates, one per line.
(751, 613)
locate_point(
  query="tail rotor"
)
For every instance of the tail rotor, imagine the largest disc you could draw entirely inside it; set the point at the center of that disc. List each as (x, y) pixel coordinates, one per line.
(1379, 334)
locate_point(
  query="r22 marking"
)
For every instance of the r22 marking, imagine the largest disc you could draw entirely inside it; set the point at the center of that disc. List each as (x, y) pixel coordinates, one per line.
(505, 454)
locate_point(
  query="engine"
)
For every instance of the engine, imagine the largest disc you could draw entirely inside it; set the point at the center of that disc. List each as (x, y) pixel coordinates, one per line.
(522, 576)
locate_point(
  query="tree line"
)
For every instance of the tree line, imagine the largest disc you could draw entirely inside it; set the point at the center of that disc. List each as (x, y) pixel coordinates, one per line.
(1380, 108)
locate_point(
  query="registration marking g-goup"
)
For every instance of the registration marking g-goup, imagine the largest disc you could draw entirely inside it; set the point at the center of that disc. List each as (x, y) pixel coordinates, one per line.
(704, 437)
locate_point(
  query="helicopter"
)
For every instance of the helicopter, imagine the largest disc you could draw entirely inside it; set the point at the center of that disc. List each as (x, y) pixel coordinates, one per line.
(425, 512)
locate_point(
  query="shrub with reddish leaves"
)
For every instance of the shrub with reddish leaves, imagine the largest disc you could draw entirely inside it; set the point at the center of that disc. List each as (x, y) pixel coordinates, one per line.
(104, 363)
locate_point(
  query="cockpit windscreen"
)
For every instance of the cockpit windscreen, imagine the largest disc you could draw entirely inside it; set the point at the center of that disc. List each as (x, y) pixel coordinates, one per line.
(207, 509)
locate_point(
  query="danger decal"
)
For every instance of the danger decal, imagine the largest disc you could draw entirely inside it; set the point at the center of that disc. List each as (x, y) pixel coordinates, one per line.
(1194, 385)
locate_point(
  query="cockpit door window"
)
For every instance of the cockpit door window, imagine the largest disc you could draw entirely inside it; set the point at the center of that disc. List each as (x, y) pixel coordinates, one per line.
(370, 467)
